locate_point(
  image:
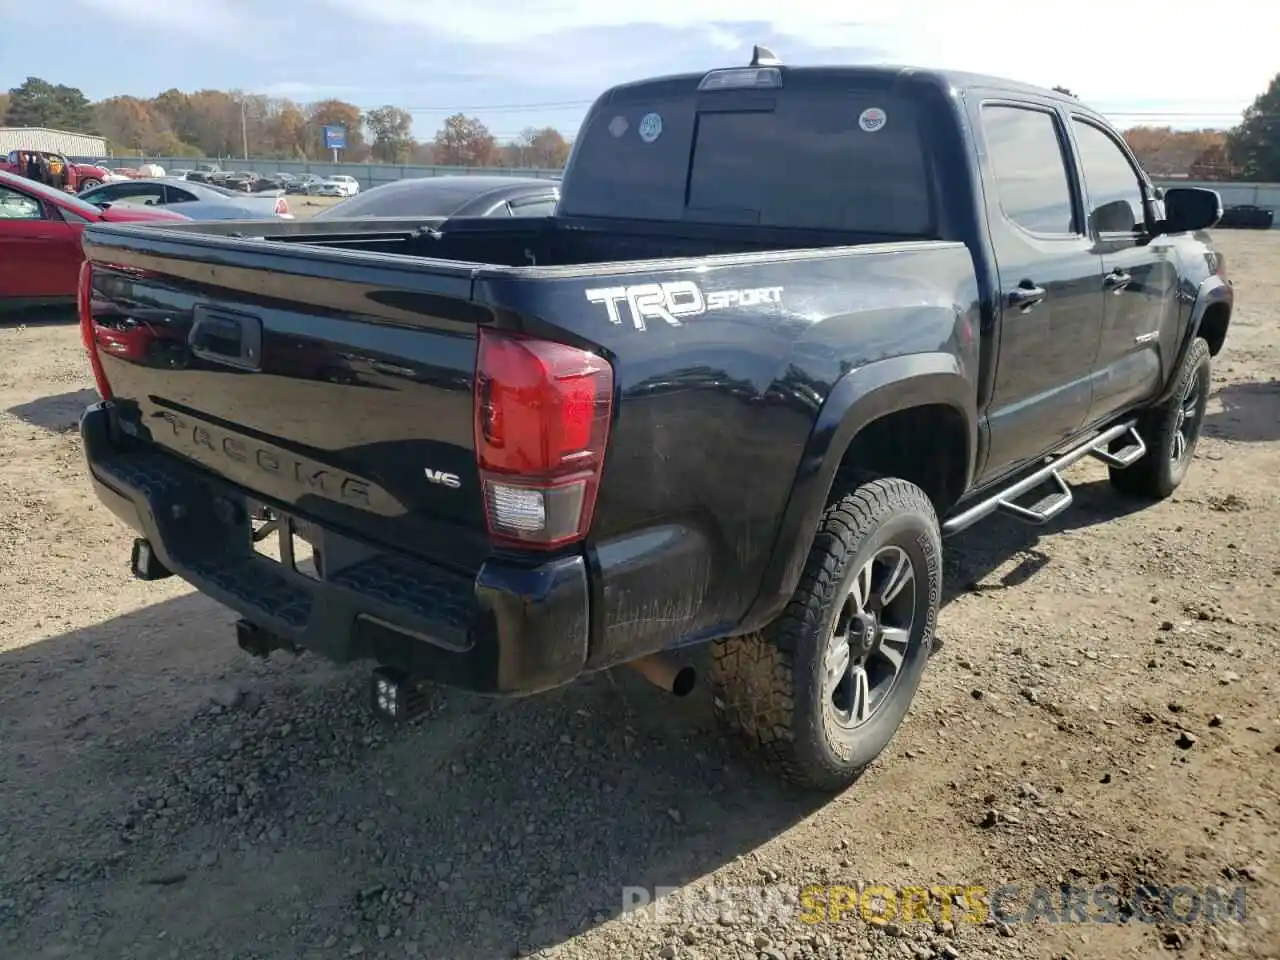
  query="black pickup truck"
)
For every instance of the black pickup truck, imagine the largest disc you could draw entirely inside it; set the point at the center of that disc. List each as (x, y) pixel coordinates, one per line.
(786, 329)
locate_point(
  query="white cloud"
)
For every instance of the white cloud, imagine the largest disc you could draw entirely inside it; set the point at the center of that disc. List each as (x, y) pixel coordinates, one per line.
(298, 89)
(1101, 49)
(188, 18)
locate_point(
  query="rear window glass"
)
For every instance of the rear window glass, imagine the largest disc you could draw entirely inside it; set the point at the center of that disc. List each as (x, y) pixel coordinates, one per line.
(853, 161)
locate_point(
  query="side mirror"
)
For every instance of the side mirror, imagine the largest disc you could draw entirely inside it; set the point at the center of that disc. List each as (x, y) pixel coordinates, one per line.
(1190, 208)
(1118, 216)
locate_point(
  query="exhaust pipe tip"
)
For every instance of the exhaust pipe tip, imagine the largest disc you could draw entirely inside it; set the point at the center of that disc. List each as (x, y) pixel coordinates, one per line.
(662, 672)
(685, 680)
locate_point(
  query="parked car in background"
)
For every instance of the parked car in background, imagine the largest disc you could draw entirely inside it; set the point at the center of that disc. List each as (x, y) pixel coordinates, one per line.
(259, 183)
(40, 230)
(241, 180)
(272, 181)
(203, 172)
(1247, 215)
(302, 183)
(338, 185)
(199, 201)
(452, 196)
(80, 176)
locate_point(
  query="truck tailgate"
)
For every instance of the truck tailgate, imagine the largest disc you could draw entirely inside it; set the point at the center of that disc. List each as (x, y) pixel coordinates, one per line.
(341, 393)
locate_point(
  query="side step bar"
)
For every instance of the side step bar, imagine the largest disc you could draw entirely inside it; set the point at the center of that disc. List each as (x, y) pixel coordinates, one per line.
(1057, 500)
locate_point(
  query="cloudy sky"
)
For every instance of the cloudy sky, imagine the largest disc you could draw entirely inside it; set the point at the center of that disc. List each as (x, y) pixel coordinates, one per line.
(519, 63)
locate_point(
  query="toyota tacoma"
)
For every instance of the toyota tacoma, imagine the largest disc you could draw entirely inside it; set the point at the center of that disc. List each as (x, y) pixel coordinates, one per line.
(787, 329)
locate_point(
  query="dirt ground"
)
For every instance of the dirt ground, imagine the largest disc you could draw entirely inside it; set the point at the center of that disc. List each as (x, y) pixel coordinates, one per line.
(1105, 709)
(303, 208)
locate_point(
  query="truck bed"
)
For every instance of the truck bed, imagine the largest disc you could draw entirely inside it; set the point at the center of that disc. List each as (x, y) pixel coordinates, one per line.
(549, 242)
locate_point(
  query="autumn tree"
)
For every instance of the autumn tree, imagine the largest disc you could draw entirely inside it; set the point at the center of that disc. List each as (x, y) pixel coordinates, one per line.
(335, 113)
(38, 103)
(464, 142)
(1254, 145)
(224, 123)
(129, 123)
(392, 130)
(175, 108)
(423, 154)
(1214, 163)
(288, 130)
(206, 119)
(1165, 152)
(545, 149)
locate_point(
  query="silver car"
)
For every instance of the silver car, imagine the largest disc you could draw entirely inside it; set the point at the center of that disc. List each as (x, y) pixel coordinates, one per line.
(199, 201)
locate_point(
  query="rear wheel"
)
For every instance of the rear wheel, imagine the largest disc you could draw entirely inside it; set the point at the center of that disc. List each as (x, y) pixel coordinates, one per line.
(88, 183)
(1171, 431)
(818, 694)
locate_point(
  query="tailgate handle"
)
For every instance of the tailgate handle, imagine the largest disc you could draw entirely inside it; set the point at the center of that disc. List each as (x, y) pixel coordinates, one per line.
(233, 340)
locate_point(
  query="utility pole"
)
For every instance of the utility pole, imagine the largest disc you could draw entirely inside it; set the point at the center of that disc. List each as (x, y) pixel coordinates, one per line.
(244, 129)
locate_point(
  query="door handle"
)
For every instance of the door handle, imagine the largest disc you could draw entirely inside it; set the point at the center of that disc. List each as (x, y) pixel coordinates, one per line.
(1026, 295)
(1117, 280)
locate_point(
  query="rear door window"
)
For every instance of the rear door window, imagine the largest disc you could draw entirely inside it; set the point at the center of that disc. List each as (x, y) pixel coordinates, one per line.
(1029, 167)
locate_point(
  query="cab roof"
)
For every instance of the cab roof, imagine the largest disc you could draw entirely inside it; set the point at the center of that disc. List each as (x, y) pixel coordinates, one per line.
(878, 74)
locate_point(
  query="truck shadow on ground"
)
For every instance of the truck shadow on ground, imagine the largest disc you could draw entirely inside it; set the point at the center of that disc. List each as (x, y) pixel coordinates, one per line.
(152, 768)
(1250, 413)
(61, 316)
(57, 412)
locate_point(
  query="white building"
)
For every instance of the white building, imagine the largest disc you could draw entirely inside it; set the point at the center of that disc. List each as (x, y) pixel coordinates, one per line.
(53, 141)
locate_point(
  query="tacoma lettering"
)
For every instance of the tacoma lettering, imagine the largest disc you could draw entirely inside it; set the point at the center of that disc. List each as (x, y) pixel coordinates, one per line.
(312, 477)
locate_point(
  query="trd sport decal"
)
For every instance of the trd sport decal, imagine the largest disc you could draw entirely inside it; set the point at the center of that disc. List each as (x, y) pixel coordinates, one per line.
(676, 299)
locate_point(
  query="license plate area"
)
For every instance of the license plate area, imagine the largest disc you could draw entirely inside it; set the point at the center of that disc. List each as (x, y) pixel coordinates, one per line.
(285, 540)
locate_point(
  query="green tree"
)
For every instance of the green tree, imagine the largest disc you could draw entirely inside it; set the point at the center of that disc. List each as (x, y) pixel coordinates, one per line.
(1254, 145)
(392, 130)
(39, 103)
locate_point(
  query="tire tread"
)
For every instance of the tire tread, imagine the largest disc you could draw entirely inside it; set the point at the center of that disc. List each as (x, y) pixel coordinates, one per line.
(754, 676)
(1149, 478)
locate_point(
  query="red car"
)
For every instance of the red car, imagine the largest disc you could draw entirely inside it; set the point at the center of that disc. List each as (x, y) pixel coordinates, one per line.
(80, 176)
(40, 252)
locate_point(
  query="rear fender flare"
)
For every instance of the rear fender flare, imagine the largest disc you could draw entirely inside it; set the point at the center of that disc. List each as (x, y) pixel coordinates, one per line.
(858, 398)
(1212, 291)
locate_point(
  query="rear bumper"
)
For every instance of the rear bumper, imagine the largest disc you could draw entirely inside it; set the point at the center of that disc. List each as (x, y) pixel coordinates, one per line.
(508, 630)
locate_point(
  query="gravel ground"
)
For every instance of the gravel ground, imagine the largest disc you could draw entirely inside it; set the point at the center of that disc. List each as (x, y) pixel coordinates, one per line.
(1103, 709)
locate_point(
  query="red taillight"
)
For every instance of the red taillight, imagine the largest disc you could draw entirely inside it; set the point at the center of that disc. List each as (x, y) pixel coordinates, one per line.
(542, 414)
(84, 304)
